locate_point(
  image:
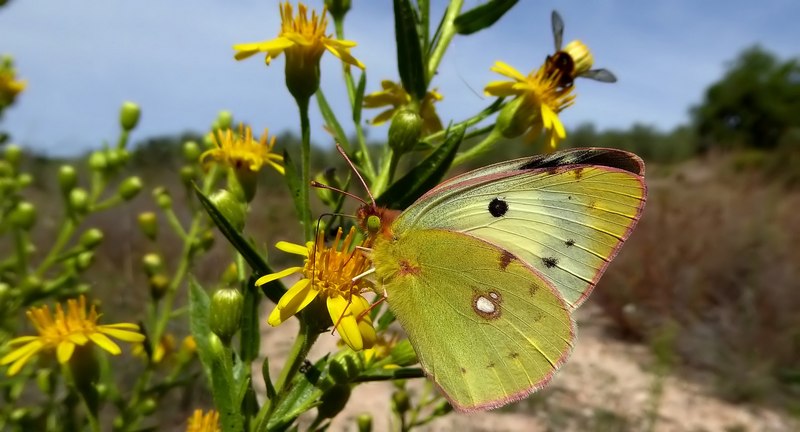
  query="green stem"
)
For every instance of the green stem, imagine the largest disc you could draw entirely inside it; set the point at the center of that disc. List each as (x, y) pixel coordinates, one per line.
(448, 31)
(305, 168)
(388, 168)
(486, 112)
(478, 149)
(64, 234)
(20, 244)
(175, 223)
(365, 161)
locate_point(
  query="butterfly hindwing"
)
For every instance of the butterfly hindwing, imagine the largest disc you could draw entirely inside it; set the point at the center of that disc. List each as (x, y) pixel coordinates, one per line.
(567, 220)
(486, 327)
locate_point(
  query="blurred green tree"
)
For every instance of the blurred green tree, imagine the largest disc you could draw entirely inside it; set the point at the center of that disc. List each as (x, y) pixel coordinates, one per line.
(754, 105)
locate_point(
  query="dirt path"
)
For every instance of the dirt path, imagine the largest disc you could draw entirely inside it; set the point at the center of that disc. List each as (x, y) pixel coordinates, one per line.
(605, 386)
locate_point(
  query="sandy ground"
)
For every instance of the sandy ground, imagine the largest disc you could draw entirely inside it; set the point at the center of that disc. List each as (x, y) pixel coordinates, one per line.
(605, 386)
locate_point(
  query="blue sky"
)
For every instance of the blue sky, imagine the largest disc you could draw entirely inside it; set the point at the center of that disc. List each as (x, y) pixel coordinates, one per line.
(174, 58)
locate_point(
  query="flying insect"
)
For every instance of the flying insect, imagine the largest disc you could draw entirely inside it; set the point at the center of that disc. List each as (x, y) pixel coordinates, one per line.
(574, 60)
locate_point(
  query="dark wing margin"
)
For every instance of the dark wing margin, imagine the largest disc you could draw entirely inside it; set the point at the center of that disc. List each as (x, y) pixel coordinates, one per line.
(612, 158)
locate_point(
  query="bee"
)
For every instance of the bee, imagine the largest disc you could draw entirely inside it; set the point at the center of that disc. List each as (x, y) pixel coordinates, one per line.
(574, 60)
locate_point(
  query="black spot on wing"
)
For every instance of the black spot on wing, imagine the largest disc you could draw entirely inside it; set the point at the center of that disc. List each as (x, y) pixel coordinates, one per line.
(498, 207)
(550, 262)
(570, 242)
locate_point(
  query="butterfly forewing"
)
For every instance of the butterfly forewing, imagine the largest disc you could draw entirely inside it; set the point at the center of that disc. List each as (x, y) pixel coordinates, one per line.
(486, 327)
(565, 221)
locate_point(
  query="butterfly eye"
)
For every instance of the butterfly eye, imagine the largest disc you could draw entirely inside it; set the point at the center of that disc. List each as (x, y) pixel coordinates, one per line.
(373, 224)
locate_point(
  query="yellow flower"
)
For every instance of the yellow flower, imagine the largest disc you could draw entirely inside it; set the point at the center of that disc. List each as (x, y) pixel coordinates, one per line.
(164, 349)
(10, 86)
(242, 151)
(328, 273)
(304, 41)
(64, 331)
(199, 422)
(539, 99)
(395, 96)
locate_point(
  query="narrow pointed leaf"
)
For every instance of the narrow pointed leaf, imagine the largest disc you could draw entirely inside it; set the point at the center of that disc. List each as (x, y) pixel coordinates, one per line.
(409, 49)
(358, 104)
(483, 16)
(331, 121)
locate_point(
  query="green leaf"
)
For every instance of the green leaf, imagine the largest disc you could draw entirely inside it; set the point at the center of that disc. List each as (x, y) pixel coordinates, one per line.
(425, 175)
(358, 104)
(216, 361)
(331, 121)
(304, 394)
(273, 290)
(250, 337)
(482, 16)
(409, 49)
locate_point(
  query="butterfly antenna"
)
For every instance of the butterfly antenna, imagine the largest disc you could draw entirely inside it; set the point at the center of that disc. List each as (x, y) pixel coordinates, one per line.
(317, 184)
(358, 174)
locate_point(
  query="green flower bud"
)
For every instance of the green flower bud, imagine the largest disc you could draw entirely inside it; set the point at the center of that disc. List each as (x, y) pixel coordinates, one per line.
(405, 130)
(24, 180)
(152, 264)
(188, 174)
(84, 260)
(32, 283)
(148, 406)
(338, 372)
(6, 170)
(234, 210)
(225, 314)
(98, 161)
(159, 284)
(333, 401)
(129, 116)
(18, 415)
(224, 120)
(338, 8)
(400, 401)
(191, 151)
(79, 201)
(205, 242)
(117, 157)
(91, 238)
(129, 188)
(24, 216)
(364, 423)
(13, 154)
(208, 141)
(162, 198)
(514, 119)
(67, 178)
(148, 223)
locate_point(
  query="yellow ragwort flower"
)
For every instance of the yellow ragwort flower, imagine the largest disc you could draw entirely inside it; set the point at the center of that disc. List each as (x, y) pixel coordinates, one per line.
(304, 41)
(242, 151)
(396, 97)
(539, 99)
(64, 330)
(10, 86)
(199, 422)
(328, 273)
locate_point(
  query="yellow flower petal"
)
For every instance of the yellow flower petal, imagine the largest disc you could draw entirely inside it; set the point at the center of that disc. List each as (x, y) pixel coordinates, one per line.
(500, 89)
(64, 351)
(384, 116)
(507, 70)
(298, 297)
(104, 342)
(275, 276)
(293, 248)
(121, 334)
(23, 351)
(341, 313)
(246, 50)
